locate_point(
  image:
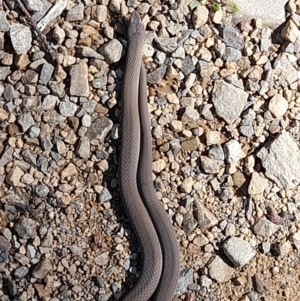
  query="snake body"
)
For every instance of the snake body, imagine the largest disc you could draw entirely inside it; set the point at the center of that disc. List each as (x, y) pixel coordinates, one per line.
(161, 261)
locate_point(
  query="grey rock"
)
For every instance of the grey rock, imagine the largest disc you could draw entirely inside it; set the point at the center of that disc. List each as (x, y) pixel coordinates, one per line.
(219, 270)
(284, 172)
(229, 101)
(48, 239)
(42, 269)
(76, 13)
(190, 114)
(4, 72)
(9, 92)
(79, 80)
(89, 106)
(189, 223)
(238, 251)
(232, 37)
(83, 149)
(285, 71)
(4, 25)
(33, 5)
(29, 157)
(91, 53)
(58, 88)
(77, 251)
(265, 228)
(209, 165)
(46, 73)
(233, 151)
(67, 108)
(232, 54)
(12, 286)
(46, 143)
(272, 13)
(49, 102)
(246, 127)
(26, 228)
(157, 75)
(104, 196)
(21, 39)
(100, 82)
(99, 13)
(160, 57)
(99, 129)
(187, 65)
(7, 156)
(112, 51)
(4, 248)
(216, 152)
(25, 121)
(44, 6)
(21, 272)
(102, 259)
(205, 218)
(185, 279)
(167, 45)
(42, 190)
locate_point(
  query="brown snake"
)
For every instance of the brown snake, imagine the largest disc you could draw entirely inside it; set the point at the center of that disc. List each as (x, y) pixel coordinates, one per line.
(152, 225)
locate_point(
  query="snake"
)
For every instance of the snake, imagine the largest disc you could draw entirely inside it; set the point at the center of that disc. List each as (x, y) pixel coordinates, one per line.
(152, 225)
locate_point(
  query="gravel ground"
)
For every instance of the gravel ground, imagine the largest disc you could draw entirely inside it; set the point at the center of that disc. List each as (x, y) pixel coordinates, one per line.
(224, 102)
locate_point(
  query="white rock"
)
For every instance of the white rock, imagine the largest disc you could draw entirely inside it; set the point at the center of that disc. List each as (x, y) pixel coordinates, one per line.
(278, 105)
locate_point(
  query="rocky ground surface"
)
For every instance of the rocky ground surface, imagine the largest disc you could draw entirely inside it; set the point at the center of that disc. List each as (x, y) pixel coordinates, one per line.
(225, 115)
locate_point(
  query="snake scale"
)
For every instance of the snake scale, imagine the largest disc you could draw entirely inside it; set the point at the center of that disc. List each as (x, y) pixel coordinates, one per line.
(152, 225)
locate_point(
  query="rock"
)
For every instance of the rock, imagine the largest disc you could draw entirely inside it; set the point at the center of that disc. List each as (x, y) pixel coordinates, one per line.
(91, 53)
(272, 13)
(67, 108)
(100, 82)
(69, 171)
(231, 54)
(4, 248)
(76, 13)
(25, 121)
(185, 279)
(284, 172)
(278, 105)
(167, 45)
(159, 165)
(189, 223)
(42, 190)
(157, 75)
(190, 114)
(99, 129)
(187, 185)
(219, 270)
(21, 39)
(21, 272)
(4, 25)
(265, 228)
(83, 149)
(3, 115)
(115, 6)
(46, 74)
(14, 176)
(104, 196)
(290, 31)
(200, 16)
(6, 156)
(77, 251)
(59, 34)
(42, 291)
(238, 251)
(112, 51)
(233, 151)
(285, 71)
(4, 72)
(209, 165)
(187, 65)
(216, 153)
(42, 269)
(99, 13)
(26, 228)
(257, 184)
(79, 80)
(190, 145)
(102, 259)
(205, 218)
(49, 102)
(229, 101)
(176, 126)
(231, 36)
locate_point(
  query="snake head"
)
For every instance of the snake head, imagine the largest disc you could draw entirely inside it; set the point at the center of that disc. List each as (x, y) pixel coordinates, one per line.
(136, 27)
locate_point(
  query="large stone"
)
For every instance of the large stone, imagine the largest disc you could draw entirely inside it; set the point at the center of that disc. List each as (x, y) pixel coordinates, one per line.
(21, 38)
(229, 101)
(271, 12)
(79, 80)
(281, 160)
